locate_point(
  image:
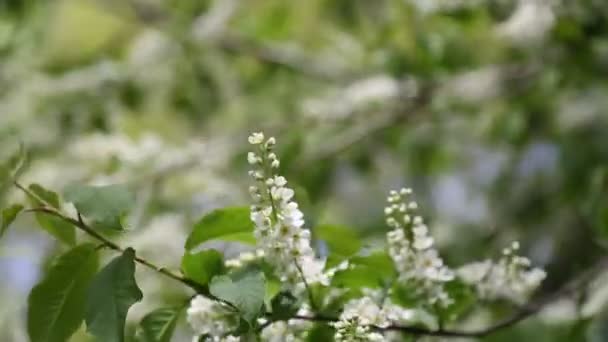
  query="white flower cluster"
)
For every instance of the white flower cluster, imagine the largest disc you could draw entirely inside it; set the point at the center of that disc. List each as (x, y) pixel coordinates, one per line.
(278, 220)
(412, 251)
(362, 314)
(511, 277)
(288, 331)
(356, 321)
(211, 318)
(279, 332)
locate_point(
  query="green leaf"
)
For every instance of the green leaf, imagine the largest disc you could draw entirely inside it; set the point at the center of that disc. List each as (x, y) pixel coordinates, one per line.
(379, 261)
(158, 325)
(284, 306)
(105, 206)
(63, 231)
(46, 195)
(8, 216)
(356, 277)
(373, 270)
(57, 227)
(341, 240)
(228, 224)
(244, 290)
(110, 296)
(11, 167)
(56, 306)
(202, 266)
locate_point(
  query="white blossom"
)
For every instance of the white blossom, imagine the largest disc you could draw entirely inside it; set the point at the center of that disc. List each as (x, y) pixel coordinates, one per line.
(278, 332)
(412, 251)
(256, 138)
(511, 277)
(279, 223)
(360, 316)
(208, 317)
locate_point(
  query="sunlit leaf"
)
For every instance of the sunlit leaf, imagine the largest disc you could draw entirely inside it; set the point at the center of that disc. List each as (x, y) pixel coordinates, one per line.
(228, 224)
(244, 290)
(342, 241)
(8, 216)
(202, 266)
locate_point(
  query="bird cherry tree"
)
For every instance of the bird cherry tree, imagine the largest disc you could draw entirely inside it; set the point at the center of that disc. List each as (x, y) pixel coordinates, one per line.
(282, 290)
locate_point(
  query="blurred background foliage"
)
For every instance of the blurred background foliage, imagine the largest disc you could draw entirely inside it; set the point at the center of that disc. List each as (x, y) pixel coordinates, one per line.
(492, 110)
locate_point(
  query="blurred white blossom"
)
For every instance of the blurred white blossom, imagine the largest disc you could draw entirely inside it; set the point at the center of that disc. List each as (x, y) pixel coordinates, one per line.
(529, 23)
(511, 277)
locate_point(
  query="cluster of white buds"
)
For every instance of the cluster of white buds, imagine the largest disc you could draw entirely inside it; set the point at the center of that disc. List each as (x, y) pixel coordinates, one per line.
(361, 315)
(412, 250)
(357, 319)
(512, 277)
(278, 220)
(244, 258)
(211, 318)
(353, 330)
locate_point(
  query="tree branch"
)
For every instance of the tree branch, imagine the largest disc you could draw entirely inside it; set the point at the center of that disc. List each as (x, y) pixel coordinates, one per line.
(80, 224)
(523, 313)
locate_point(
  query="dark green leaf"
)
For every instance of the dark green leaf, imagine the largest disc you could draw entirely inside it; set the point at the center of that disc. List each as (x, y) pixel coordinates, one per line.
(159, 325)
(202, 266)
(105, 206)
(56, 305)
(110, 296)
(228, 224)
(8, 216)
(340, 239)
(243, 290)
(284, 306)
(321, 332)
